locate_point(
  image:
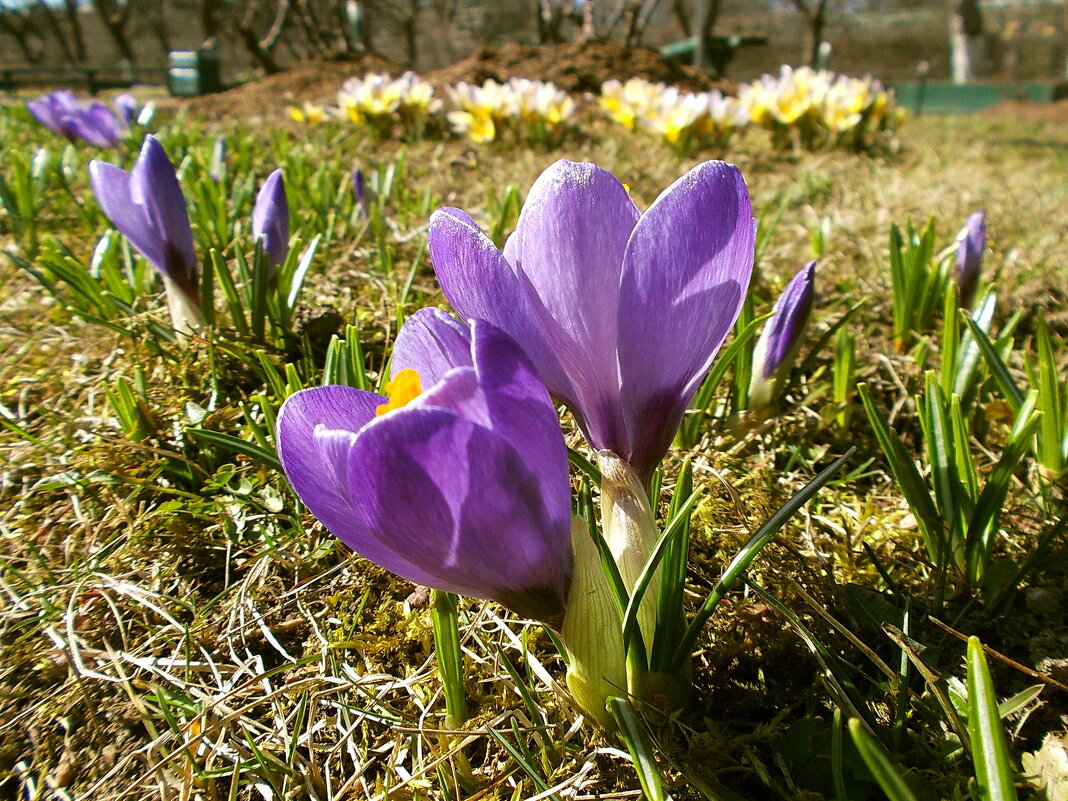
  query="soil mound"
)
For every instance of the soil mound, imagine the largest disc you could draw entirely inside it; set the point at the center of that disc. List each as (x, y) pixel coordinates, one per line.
(268, 98)
(575, 67)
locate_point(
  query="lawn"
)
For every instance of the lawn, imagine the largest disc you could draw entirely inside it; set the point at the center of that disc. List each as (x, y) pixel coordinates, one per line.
(177, 625)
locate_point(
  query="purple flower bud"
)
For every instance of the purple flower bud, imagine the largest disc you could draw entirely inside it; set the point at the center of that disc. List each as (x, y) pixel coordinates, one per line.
(270, 218)
(463, 488)
(781, 336)
(971, 242)
(126, 108)
(358, 191)
(146, 205)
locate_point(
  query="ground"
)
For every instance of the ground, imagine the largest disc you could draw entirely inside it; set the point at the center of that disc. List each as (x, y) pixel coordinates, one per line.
(175, 626)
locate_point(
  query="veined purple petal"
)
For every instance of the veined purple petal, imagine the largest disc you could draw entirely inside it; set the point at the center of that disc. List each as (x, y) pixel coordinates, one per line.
(111, 186)
(154, 186)
(685, 275)
(971, 242)
(432, 485)
(481, 284)
(790, 317)
(568, 246)
(96, 125)
(270, 218)
(316, 430)
(522, 412)
(431, 342)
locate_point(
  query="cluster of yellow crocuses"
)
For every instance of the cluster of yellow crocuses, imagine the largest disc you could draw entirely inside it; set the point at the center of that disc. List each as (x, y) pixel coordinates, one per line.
(801, 107)
(531, 111)
(818, 107)
(683, 119)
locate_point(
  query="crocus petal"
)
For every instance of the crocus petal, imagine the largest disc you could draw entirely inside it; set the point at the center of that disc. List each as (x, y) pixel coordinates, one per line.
(685, 274)
(569, 245)
(971, 241)
(54, 110)
(112, 189)
(270, 218)
(154, 186)
(44, 112)
(316, 430)
(481, 284)
(792, 310)
(96, 125)
(522, 412)
(431, 342)
(432, 485)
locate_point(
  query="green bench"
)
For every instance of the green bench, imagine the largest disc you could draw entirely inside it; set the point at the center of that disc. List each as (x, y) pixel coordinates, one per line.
(719, 50)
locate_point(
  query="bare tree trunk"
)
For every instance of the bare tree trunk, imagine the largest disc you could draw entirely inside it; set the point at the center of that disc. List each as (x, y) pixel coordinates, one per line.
(75, 23)
(158, 22)
(115, 14)
(18, 25)
(69, 55)
(409, 31)
(260, 47)
(209, 23)
(682, 16)
(706, 15)
(814, 13)
(702, 15)
(550, 22)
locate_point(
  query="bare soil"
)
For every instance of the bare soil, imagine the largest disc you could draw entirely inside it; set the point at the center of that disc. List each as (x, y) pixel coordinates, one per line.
(575, 67)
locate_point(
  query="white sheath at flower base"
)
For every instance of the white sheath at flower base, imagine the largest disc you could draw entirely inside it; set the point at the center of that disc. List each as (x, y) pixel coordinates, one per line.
(185, 314)
(592, 631)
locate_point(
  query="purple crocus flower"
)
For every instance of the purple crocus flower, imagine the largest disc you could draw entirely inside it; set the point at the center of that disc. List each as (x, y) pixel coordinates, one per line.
(55, 110)
(270, 218)
(621, 312)
(465, 488)
(146, 205)
(358, 191)
(60, 112)
(971, 241)
(782, 334)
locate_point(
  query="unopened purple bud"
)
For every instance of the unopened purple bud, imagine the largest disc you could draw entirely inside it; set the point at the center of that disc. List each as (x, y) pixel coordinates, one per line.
(782, 334)
(358, 191)
(270, 218)
(792, 311)
(126, 108)
(146, 205)
(971, 241)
